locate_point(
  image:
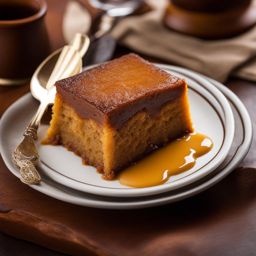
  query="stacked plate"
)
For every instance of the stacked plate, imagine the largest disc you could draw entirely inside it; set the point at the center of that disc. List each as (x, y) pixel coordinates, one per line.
(216, 112)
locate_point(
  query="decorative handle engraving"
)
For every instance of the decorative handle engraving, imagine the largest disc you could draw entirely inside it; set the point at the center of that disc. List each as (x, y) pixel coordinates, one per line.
(25, 156)
(28, 173)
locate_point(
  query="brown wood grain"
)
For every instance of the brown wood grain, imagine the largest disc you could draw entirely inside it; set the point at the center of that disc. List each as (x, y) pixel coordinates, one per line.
(220, 221)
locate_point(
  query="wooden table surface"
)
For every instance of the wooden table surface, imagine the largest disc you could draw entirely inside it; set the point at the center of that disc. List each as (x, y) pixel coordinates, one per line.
(245, 90)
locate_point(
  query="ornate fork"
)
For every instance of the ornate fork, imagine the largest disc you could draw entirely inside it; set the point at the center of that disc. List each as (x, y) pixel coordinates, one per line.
(69, 63)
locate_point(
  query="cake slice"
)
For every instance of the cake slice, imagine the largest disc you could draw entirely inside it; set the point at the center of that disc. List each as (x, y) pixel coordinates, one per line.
(118, 112)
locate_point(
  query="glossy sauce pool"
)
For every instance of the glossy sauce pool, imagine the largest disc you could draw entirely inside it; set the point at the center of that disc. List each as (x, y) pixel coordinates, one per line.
(176, 157)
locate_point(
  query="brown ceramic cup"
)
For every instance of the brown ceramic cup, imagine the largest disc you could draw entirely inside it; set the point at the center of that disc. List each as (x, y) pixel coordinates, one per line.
(23, 39)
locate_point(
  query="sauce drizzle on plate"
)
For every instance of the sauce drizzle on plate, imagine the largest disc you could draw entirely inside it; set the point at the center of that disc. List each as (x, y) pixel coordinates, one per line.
(176, 157)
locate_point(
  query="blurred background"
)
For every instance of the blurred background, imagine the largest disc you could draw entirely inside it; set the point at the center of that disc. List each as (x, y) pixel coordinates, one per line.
(214, 37)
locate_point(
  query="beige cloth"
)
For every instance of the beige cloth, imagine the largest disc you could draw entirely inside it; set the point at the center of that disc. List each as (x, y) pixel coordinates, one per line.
(217, 59)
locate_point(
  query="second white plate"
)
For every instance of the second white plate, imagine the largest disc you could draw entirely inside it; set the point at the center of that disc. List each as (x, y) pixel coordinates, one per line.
(237, 152)
(211, 115)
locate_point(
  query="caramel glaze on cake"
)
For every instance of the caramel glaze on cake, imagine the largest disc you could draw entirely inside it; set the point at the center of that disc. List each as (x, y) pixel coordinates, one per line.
(116, 113)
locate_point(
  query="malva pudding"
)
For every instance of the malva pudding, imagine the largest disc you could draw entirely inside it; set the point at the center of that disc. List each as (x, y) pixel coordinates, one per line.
(118, 112)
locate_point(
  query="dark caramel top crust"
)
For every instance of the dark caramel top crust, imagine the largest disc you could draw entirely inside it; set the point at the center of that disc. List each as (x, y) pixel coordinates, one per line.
(116, 90)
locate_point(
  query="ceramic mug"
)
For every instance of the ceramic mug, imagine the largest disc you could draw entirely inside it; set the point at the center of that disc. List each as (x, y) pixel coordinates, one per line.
(24, 40)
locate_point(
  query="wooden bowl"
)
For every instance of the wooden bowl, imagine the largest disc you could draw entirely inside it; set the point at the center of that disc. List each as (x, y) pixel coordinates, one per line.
(210, 19)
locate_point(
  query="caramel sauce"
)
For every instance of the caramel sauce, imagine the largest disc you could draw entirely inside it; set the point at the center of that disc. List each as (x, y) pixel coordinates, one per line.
(176, 157)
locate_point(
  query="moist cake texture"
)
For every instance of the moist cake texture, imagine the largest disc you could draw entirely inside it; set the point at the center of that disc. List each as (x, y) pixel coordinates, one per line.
(118, 112)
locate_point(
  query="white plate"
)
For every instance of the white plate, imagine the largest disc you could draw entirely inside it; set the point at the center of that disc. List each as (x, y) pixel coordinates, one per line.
(211, 115)
(238, 151)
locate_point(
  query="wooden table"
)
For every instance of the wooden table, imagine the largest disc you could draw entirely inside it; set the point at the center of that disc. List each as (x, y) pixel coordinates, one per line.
(245, 90)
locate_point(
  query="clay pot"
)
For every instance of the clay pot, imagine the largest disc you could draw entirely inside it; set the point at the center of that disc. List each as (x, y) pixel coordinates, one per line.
(209, 5)
(210, 19)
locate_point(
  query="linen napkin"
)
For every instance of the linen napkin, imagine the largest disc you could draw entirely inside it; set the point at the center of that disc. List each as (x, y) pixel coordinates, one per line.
(146, 34)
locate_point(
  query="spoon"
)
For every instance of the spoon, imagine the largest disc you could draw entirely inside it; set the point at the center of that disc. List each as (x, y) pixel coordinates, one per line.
(112, 10)
(69, 62)
(43, 72)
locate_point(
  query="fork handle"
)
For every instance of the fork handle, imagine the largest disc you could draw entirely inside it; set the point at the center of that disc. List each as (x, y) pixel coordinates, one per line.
(25, 156)
(32, 128)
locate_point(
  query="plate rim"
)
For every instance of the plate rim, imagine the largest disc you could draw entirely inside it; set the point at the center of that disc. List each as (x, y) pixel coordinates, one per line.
(244, 148)
(140, 192)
